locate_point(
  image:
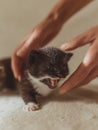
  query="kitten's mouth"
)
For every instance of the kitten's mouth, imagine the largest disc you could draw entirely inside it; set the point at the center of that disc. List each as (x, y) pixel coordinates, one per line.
(51, 82)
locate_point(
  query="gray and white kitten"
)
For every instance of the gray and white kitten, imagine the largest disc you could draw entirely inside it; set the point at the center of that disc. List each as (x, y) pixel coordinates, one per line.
(43, 70)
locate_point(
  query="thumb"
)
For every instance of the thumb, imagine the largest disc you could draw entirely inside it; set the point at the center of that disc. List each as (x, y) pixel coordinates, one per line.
(73, 44)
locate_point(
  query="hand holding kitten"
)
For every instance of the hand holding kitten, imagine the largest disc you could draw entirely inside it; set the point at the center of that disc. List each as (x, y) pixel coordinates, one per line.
(36, 39)
(88, 69)
(47, 30)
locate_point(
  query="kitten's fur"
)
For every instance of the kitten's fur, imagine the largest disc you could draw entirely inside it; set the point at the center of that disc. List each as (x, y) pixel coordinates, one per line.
(42, 71)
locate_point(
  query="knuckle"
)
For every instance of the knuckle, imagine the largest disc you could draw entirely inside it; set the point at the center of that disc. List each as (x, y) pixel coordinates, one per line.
(90, 64)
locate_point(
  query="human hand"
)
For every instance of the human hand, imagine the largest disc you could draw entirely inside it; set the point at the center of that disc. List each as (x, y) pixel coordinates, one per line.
(88, 69)
(37, 38)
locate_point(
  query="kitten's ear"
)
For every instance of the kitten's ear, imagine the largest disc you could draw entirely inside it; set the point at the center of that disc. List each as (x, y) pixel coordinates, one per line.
(68, 56)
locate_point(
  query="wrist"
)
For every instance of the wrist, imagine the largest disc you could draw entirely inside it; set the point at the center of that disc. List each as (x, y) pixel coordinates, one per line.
(64, 9)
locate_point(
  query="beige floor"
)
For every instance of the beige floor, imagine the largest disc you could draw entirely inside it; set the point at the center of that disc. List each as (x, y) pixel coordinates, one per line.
(77, 110)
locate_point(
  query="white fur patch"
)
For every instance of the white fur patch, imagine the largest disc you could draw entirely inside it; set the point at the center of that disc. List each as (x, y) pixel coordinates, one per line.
(31, 107)
(40, 87)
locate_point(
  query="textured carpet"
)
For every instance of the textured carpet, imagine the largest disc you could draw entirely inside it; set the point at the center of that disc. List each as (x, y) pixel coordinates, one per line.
(76, 110)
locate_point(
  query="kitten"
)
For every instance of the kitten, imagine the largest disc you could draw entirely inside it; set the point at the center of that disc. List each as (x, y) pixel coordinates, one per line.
(43, 70)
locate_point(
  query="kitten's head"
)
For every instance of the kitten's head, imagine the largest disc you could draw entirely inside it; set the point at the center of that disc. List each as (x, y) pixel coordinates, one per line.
(49, 65)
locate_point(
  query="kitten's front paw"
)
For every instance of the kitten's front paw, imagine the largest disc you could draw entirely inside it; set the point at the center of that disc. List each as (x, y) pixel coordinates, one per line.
(31, 107)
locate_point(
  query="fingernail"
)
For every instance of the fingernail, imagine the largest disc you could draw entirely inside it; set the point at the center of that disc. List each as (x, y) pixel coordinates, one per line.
(64, 46)
(19, 53)
(61, 92)
(19, 78)
(15, 76)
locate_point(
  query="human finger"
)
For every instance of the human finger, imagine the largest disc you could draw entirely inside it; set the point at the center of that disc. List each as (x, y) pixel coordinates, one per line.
(89, 62)
(16, 64)
(79, 75)
(80, 40)
(92, 75)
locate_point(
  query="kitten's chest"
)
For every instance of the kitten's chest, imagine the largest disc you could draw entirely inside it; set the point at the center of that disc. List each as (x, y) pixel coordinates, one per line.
(40, 87)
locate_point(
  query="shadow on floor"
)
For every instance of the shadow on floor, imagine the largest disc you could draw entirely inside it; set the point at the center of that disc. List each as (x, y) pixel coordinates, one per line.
(87, 94)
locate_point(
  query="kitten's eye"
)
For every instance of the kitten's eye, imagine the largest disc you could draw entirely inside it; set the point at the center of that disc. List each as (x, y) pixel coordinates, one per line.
(49, 67)
(52, 68)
